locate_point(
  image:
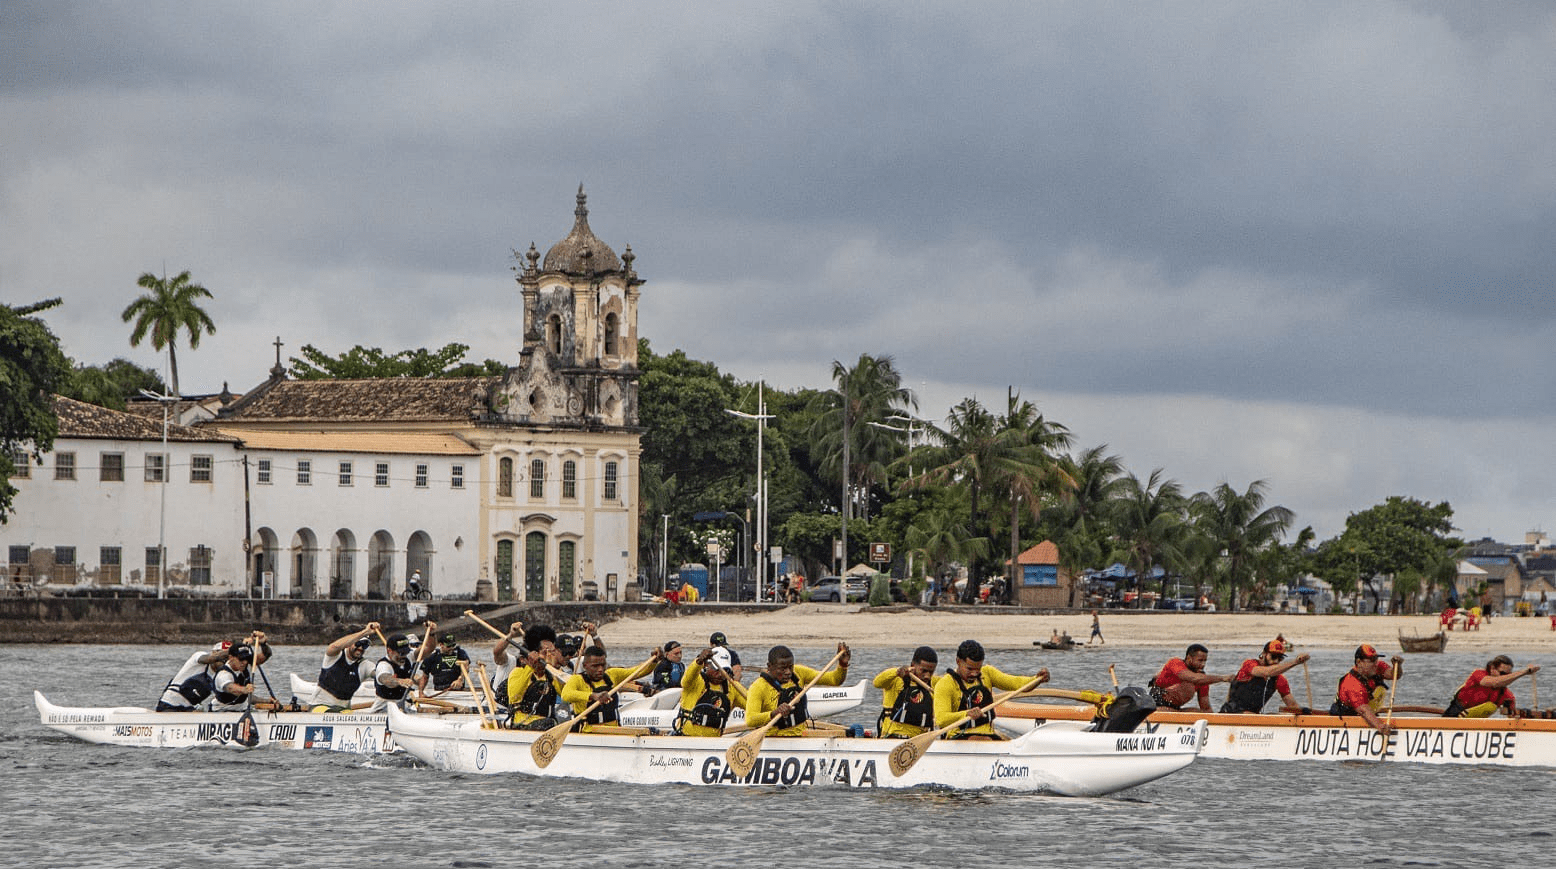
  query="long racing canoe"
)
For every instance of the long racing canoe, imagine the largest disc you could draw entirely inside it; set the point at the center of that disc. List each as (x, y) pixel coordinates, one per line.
(1063, 758)
(1290, 736)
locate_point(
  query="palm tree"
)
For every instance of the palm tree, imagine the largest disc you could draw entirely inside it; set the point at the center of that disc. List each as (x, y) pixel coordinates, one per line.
(1080, 521)
(1027, 470)
(170, 308)
(1151, 527)
(851, 450)
(1238, 528)
(943, 537)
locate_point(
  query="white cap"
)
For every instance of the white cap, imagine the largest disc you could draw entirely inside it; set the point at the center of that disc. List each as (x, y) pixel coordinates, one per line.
(720, 659)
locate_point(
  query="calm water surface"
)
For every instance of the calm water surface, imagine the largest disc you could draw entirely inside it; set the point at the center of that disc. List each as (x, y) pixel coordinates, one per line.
(67, 803)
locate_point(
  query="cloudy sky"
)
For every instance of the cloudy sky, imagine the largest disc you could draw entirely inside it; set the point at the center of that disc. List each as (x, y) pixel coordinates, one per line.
(1309, 243)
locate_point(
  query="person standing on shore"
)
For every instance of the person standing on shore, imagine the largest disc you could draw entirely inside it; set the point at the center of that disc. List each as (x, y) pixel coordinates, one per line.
(1261, 678)
(1182, 679)
(1486, 691)
(908, 696)
(1096, 629)
(1361, 690)
(969, 686)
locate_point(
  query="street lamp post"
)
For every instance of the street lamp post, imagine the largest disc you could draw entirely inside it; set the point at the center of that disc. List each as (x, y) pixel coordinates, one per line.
(914, 426)
(761, 416)
(162, 520)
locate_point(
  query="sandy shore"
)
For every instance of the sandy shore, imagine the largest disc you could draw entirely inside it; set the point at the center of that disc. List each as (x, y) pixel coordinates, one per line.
(821, 624)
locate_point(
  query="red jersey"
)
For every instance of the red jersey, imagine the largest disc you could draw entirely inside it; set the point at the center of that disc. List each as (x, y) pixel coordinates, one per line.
(1473, 693)
(1356, 691)
(1282, 687)
(1172, 674)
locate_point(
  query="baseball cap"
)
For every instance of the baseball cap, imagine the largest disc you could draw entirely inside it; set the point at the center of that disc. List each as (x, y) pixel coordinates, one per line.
(362, 642)
(720, 659)
(242, 653)
(448, 640)
(1366, 651)
(399, 642)
(718, 639)
(1275, 647)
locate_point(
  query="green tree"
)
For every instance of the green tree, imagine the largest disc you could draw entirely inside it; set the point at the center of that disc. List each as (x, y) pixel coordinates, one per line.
(1387, 539)
(1152, 528)
(169, 308)
(361, 363)
(869, 392)
(1237, 527)
(1079, 524)
(32, 369)
(111, 385)
(1028, 470)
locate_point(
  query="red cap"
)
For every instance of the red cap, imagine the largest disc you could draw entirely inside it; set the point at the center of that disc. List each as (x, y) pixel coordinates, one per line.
(1275, 647)
(1366, 651)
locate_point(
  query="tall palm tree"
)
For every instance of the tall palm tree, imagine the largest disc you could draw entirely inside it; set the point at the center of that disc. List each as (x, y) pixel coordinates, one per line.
(943, 537)
(851, 450)
(1152, 529)
(1239, 527)
(1081, 519)
(1028, 469)
(171, 307)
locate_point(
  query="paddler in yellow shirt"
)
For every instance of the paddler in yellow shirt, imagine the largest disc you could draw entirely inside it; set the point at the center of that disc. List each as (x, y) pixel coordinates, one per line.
(776, 691)
(908, 699)
(708, 695)
(594, 685)
(969, 685)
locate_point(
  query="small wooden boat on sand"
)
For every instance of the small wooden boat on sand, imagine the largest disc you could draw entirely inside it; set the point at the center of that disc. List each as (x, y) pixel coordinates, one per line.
(1434, 643)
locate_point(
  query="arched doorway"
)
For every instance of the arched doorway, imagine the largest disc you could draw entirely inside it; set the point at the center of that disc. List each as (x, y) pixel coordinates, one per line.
(262, 561)
(418, 557)
(305, 559)
(380, 565)
(343, 565)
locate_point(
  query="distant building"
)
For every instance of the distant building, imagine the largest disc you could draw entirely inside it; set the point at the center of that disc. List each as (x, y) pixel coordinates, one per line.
(1041, 582)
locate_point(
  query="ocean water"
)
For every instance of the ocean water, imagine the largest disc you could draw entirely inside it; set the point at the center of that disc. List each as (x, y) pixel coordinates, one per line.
(65, 803)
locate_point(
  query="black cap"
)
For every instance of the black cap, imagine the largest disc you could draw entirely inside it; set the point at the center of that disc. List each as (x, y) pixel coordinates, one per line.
(672, 645)
(242, 653)
(718, 639)
(399, 642)
(449, 640)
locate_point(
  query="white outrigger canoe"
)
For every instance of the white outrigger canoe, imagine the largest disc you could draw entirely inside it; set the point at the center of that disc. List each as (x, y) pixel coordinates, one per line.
(661, 710)
(357, 732)
(1288, 736)
(1062, 759)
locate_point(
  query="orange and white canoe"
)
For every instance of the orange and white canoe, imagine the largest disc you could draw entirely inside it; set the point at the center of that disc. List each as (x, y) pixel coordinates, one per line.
(1286, 736)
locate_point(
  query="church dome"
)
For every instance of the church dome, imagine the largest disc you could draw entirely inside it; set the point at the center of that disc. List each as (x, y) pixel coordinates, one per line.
(581, 253)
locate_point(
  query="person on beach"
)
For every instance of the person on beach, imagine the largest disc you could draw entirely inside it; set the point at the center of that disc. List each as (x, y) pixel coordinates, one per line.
(777, 691)
(708, 695)
(392, 673)
(908, 696)
(1361, 690)
(345, 668)
(533, 689)
(668, 672)
(970, 685)
(1096, 629)
(1183, 679)
(719, 641)
(1486, 691)
(1261, 678)
(595, 684)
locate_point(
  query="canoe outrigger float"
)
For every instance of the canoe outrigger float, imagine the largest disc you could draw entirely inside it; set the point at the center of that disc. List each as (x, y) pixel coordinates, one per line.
(357, 732)
(1063, 759)
(1289, 736)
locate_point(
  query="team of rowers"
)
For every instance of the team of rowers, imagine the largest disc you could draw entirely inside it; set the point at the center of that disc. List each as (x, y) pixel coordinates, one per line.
(542, 678)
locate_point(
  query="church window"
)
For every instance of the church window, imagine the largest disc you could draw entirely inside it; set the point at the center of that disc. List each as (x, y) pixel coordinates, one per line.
(381, 474)
(569, 480)
(304, 472)
(610, 481)
(554, 333)
(456, 477)
(264, 472)
(610, 334)
(537, 478)
(421, 476)
(505, 478)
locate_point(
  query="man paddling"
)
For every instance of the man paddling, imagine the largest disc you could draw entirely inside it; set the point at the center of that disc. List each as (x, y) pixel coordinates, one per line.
(594, 686)
(441, 663)
(532, 689)
(345, 668)
(504, 663)
(1361, 690)
(776, 692)
(668, 672)
(1183, 679)
(907, 696)
(392, 674)
(233, 683)
(1261, 678)
(191, 685)
(1486, 691)
(708, 695)
(969, 686)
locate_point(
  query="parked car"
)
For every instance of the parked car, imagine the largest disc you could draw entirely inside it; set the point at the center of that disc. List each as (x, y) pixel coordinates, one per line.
(827, 589)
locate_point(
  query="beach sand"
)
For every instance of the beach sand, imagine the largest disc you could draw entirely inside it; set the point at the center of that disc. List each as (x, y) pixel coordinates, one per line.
(823, 624)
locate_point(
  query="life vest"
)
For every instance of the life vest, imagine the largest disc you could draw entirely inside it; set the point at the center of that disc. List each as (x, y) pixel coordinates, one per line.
(401, 670)
(915, 707)
(1473, 700)
(196, 688)
(539, 696)
(226, 698)
(342, 678)
(711, 710)
(1250, 695)
(605, 713)
(1371, 684)
(667, 675)
(974, 695)
(789, 692)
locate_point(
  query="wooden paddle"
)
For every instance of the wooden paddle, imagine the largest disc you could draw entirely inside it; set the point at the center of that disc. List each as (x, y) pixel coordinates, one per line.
(1113, 674)
(480, 708)
(558, 674)
(1534, 691)
(486, 689)
(1388, 724)
(545, 747)
(1308, 681)
(740, 758)
(904, 756)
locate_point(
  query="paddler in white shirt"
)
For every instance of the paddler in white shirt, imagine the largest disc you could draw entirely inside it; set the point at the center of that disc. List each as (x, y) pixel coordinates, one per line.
(345, 668)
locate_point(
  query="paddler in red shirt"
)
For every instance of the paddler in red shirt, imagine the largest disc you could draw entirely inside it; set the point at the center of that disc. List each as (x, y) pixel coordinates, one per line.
(1184, 678)
(1485, 691)
(1361, 690)
(1260, 678)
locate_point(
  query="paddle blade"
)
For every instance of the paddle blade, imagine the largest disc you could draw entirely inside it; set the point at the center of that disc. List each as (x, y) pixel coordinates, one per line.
(246, 733)
(741, 756)
(545, 747)
(904, 756)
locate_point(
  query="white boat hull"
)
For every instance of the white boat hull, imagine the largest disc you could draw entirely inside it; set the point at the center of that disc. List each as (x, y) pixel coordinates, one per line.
(662, 709)
(140, 727)
(1285, 736)
(1062, 760)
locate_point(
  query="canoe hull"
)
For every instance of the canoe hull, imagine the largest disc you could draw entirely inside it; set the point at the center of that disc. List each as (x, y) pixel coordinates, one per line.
(1059, 760)
(139, 727)
(1283, 736)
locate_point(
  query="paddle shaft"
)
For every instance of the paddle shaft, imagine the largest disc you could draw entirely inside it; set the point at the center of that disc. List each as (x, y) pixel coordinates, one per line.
(999, 700)
(1308, 681)
(500, 635)
(480, 708)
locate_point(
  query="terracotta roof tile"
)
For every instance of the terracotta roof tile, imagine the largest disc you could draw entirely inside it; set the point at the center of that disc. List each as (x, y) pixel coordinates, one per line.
(77, 419)
(1043, 553)
(395, 399)
(408, 443)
